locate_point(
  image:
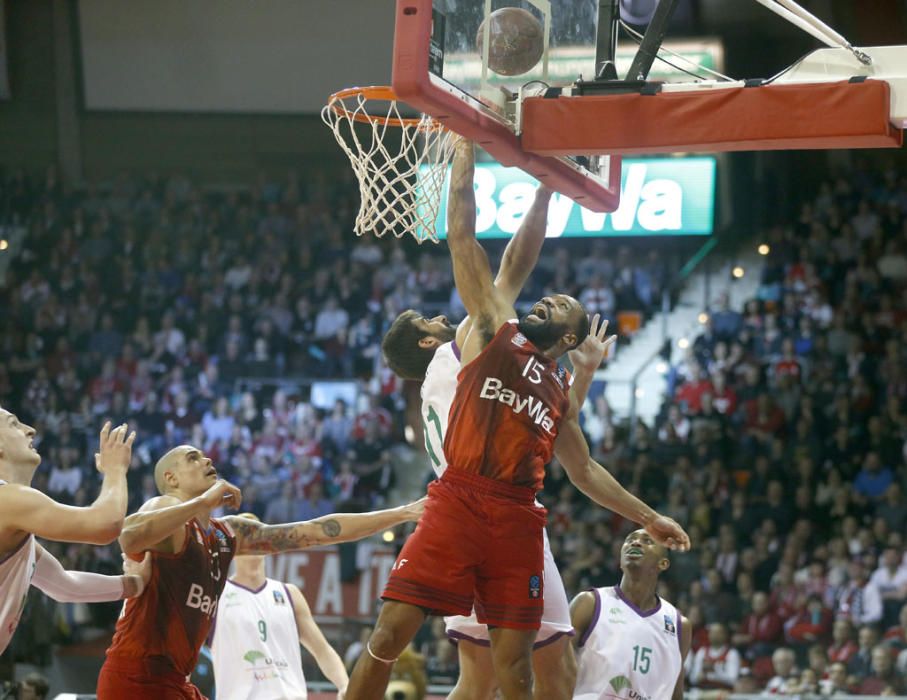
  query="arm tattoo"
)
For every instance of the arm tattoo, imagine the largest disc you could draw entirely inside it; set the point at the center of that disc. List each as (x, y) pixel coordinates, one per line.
(256, 538)
(331, 528)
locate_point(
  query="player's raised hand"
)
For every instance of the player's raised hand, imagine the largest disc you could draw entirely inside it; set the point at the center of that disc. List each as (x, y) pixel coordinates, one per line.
(589, 354)
(141, 569)
(115, 452)
(667, 532)
(223, 493)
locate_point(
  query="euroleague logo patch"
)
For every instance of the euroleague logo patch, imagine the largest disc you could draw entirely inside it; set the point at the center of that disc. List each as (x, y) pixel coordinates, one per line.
(535, 586)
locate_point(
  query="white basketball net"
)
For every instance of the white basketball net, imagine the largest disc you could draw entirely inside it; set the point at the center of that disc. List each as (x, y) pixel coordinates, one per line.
(400, 181)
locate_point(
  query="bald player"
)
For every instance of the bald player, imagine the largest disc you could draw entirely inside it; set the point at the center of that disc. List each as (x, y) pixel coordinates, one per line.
(481, 540)
(631, 643)
(26, 512)
(158, 637)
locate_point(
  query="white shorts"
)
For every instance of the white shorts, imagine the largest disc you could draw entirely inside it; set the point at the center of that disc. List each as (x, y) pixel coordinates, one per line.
(555, 618)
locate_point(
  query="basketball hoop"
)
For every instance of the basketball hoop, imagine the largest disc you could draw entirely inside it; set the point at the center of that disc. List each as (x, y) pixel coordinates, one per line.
(400, 183)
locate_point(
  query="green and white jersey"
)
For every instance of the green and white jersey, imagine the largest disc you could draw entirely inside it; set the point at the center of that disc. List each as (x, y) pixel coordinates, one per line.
(255, 645)
(438, 389)
(626, 653)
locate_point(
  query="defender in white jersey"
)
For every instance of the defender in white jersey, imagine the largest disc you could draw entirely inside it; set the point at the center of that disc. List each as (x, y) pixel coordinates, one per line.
(631, 643)
(255, 639)
(25, 512)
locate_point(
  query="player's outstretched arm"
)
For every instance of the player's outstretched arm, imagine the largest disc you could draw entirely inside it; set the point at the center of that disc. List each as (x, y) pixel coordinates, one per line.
(258, 538)
(686, 641)
(311, 637)
(159, 522)
(596, 482)
(522, 251)
(472, 273)
(25, 508)
(86, 587)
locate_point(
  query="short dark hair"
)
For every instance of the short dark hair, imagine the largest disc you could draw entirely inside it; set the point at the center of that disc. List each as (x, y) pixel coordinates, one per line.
(401, 348)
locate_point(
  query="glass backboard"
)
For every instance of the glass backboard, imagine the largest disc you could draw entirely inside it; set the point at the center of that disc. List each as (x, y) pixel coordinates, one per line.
(569, 28)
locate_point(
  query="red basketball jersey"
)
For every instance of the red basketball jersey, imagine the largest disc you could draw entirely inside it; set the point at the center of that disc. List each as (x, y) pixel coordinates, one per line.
(172, 617)
(505, 414)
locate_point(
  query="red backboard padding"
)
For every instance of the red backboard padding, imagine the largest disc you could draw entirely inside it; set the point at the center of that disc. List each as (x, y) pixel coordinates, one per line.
(771, 117)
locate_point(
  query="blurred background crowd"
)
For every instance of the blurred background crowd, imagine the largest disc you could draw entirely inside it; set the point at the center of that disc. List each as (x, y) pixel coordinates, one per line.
(246, 321)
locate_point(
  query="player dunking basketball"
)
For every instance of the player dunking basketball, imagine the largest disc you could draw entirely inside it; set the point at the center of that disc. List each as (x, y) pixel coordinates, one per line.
(429, 350)
(26, 512)
(632, 644)
(158, 637)
(480, 540)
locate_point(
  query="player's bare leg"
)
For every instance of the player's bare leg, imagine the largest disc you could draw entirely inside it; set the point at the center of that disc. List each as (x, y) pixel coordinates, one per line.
(476, 681)
(554, 669)
(511, 652)
(397, 625)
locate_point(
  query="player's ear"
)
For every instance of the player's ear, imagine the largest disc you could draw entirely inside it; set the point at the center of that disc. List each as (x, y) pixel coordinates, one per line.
(664, 564)
(428, 342)
(569, 339)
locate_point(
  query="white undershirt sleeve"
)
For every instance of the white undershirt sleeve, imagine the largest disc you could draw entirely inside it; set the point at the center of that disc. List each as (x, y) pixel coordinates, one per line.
(74, 586)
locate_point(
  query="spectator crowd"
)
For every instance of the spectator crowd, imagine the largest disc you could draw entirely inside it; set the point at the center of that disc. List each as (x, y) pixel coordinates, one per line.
(205, 316)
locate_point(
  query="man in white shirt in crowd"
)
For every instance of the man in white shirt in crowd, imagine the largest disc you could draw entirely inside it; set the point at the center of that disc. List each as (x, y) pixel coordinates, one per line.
(860, 600)
(783, 663)
(717, 665)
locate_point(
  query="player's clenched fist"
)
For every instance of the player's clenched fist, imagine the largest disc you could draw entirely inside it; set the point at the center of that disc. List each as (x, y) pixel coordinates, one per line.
(223, 493)
(115, 453)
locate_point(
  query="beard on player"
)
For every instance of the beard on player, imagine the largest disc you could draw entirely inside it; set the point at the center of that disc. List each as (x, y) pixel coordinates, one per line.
(543, 333)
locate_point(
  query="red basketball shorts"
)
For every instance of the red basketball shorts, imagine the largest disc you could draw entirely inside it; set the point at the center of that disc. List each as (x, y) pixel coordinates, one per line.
(479, 543)
(143, 679)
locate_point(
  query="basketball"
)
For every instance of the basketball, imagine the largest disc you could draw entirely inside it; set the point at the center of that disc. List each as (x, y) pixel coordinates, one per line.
(516, 41)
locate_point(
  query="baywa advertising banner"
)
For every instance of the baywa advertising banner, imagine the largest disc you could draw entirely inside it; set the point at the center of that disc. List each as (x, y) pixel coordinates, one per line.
(659, 197)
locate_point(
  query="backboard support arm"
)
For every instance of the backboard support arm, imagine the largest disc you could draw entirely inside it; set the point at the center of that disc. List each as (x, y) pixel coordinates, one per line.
(651, 42)
(606, 40)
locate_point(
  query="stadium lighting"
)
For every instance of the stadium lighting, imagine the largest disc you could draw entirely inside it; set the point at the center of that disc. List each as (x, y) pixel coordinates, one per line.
(387, 536)
(640, 393)
(661, 367)
(4, 244)
(764, 249)
(683, 343)
(703, 318)
(738, 272)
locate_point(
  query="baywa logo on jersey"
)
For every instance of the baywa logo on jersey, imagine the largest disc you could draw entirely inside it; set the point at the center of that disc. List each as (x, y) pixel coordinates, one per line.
(669, 625)
(535, 586)
(622, 683)
(494, 390)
